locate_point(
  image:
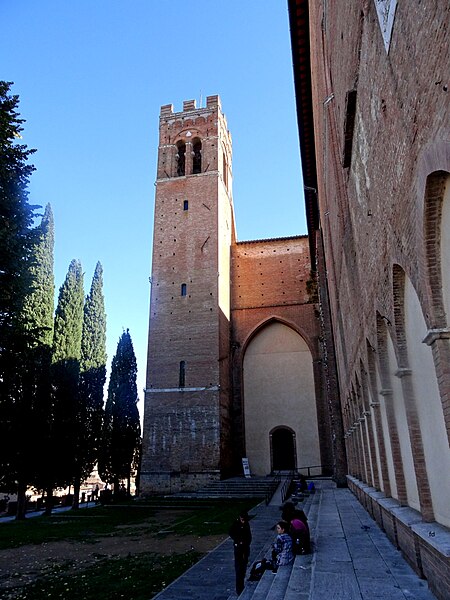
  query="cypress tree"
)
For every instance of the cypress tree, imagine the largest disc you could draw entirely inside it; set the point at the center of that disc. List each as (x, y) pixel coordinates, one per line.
(65, 428)
(92, 380)
(16, 238)
(38, 321)
(121, 430)
(39, 303)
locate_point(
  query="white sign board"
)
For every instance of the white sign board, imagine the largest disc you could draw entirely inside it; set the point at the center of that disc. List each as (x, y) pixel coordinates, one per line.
(246, 467)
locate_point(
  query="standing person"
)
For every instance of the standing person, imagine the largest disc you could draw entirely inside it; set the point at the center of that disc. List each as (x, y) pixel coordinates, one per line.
(242, 536)
(282, 548)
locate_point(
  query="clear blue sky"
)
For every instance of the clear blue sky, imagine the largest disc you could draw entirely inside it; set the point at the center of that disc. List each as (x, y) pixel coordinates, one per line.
(92, 75)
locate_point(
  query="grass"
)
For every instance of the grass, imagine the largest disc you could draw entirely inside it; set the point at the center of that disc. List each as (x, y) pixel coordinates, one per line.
(135, 577)
(138, 577)
(76, 525)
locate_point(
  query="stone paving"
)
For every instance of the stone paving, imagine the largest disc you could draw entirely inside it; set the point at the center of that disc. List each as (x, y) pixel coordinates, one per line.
(352, 559)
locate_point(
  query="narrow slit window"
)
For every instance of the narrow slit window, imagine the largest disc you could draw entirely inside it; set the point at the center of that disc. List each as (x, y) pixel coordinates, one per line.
(182, 376)
(183, 289)
(349, 127)
(197, 157)
(186, 205)
(181, 159)
(225, 171)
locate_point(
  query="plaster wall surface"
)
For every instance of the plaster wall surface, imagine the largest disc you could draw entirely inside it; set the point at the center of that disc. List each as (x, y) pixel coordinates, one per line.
(387, 443)
(403, 431)
(429, 406)
(279, 391)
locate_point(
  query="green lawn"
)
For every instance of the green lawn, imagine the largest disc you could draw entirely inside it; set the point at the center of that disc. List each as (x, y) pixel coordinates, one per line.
(135, 577)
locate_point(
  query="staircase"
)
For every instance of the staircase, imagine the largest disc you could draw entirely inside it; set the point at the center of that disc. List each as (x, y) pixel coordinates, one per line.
(236, 487)
(290, 582)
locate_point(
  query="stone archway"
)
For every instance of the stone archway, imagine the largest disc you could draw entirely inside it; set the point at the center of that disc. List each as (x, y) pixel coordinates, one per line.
(279, 392)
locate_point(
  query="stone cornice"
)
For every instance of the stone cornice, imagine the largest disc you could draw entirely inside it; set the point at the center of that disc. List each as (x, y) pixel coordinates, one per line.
(442, 333)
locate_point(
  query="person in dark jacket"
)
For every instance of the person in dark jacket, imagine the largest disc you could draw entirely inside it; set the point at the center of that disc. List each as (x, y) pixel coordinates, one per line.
(299, 531)
(242, 536)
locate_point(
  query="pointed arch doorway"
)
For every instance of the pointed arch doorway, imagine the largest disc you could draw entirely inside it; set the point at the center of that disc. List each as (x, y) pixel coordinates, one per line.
(279, 390)
(282, 449)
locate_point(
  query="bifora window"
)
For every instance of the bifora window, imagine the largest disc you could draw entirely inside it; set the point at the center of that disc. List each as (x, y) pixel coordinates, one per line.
(181, 159)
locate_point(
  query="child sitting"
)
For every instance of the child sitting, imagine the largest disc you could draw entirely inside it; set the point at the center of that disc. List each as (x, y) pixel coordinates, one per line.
(282, 548)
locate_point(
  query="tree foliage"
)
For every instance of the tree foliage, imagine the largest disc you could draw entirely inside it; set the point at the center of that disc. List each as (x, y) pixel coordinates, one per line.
(65, 427)
(16, 240)
(121, 431)
(92, 379)
(38, 321)
(39, 303)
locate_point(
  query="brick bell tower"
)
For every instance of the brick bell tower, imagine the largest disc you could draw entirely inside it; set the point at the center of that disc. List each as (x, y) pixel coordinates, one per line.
(186, 418)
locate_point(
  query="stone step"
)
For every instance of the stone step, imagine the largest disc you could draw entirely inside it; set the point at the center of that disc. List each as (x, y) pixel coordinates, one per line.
(260, 591)
(300, 580)
(291, 582)
(280, 583)
(234, 488)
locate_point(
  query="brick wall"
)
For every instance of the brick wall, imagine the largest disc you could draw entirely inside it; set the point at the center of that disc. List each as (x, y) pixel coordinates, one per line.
(271, 281)
(379, 216)
(186, 422)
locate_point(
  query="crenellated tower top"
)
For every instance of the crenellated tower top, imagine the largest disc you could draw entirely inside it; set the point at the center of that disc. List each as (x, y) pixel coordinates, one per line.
(194, 141)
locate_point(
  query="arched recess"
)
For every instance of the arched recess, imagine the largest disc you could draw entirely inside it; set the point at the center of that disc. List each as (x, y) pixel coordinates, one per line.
(401, 425)
(406, 377)
(437, 244)
(278, 384)
(361, 418)
(377, 424)
(357, 433)
(372, 473)
(437, 250)
(429, 406)
(388, 420)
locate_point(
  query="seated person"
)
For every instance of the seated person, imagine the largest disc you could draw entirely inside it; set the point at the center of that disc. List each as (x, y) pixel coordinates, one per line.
(282, 548)
(299, 528)
(299, 532)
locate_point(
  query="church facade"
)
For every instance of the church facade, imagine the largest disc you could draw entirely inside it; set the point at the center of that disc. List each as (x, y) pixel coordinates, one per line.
(234, 354)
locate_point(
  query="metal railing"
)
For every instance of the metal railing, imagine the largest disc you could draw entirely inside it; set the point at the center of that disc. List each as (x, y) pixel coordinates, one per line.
(286, 486)
(321, 471)
(273, 487)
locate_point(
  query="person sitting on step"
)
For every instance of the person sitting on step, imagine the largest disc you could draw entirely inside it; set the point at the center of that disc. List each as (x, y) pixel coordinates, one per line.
(282, 548)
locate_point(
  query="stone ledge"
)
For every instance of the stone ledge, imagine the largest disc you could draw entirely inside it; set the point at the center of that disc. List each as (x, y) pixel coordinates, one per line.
(440, 541)
(426, 546)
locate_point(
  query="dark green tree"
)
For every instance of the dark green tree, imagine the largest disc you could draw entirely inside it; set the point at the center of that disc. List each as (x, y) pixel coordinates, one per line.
(39, 303)
(121, 430)
(65, 429)
(92, 381)
(38, 321)
(16, 240)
